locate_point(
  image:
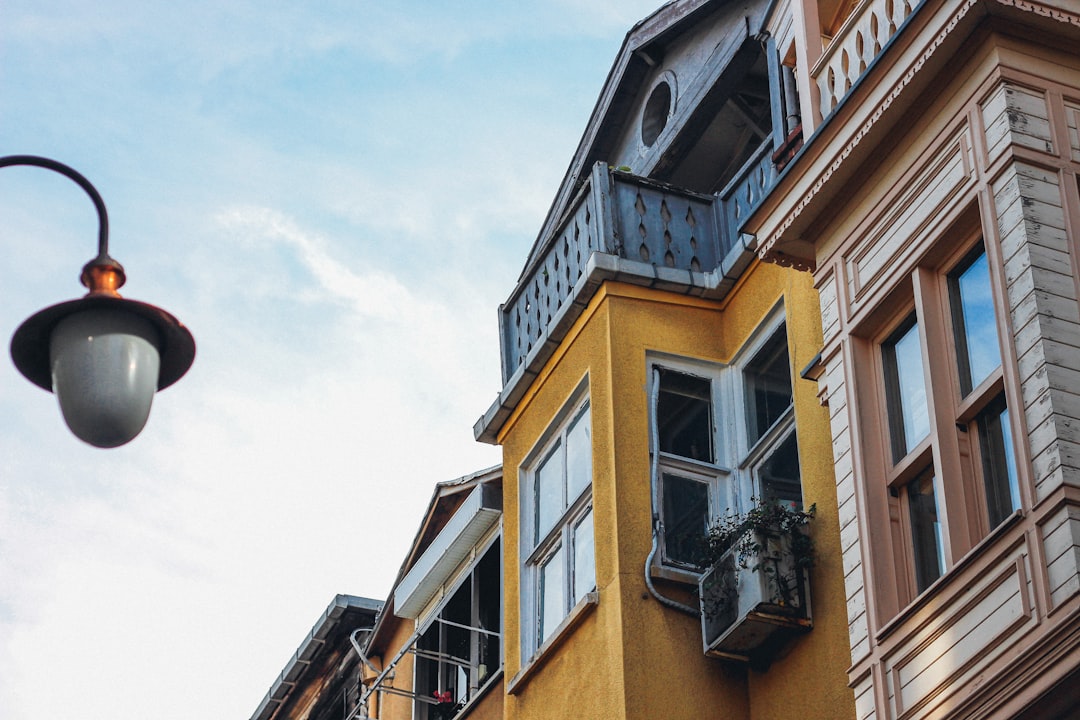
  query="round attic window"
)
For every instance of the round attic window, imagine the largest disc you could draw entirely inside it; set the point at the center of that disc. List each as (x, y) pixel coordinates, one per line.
(655, 117)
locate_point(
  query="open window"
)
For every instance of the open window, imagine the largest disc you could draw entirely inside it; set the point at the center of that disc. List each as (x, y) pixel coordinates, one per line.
(460, 650)
(771, 448)
(690, 485)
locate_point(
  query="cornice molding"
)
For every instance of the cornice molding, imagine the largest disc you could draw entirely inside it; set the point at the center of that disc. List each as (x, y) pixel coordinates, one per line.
(1044, 10)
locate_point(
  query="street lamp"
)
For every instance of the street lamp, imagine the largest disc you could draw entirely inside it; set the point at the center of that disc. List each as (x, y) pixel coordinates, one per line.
(103, 355)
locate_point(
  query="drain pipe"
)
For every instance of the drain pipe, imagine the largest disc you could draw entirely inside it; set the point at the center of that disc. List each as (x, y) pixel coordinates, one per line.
(360, 649)
(654, 441)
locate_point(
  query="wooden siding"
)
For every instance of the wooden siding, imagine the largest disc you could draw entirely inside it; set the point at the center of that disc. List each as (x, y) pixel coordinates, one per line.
(931, 190)
(833, 389)
(865, 703)
(1061, 547)
(1072, 120)
(1042, 299)
(961, 637)
(1015, 115)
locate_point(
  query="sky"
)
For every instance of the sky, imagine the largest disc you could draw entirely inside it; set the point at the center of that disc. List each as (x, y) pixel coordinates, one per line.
(334, 197)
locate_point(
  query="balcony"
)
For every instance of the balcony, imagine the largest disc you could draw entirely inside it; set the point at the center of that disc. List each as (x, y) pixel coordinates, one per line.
(661, 235)
(752, 603)
(856, 44)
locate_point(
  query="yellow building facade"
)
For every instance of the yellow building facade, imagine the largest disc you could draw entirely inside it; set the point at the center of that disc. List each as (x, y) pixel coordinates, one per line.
(624, 654)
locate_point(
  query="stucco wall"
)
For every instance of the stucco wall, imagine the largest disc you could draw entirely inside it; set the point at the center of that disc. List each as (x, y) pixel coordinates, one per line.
(631, 657)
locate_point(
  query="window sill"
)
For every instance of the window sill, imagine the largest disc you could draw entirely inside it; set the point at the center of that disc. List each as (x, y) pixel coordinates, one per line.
(672, 573)
(936, 587)
(574, 618)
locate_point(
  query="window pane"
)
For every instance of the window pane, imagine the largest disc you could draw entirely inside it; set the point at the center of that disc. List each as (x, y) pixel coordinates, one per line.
(456, 643)
(552, 594)
(998, 462)
(779, 475)
(489, 612)
(768, 386)
(909, 421)
(578, 456)
(925, 531)
(686, 518)
(549, 493)
(427, 669)
(973, 320)
(684, 415)
(584, 558)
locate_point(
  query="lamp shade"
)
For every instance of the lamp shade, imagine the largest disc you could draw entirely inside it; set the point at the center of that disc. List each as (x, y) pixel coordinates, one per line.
(102, 355)
(105, 366)
(100, 364)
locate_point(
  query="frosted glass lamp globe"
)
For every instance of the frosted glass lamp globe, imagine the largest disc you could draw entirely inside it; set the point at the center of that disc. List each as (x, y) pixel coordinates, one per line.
(105, 366)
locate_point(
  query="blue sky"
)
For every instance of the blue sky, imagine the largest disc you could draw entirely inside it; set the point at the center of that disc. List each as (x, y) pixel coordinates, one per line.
(334, 197)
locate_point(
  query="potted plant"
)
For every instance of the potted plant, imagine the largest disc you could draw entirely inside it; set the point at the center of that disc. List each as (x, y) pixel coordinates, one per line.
(755, 583)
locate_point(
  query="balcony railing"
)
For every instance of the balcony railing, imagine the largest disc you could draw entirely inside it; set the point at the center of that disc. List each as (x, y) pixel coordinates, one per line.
(635, 219)
(859, 40)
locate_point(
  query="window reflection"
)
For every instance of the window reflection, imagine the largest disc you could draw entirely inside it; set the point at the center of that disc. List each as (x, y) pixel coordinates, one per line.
(909, 421)
(972, 302)
(999, 463)
(552, 593)
(549, 493)
(584, 558)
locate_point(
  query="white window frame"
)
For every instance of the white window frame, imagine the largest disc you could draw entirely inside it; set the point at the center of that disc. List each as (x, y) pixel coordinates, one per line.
(733, 476)
(752, 455)
(717, 475)
(535, 552)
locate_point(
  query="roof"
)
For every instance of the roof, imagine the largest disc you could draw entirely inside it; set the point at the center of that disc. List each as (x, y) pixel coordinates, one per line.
(445, 500)
(642, 48)
(319, 654)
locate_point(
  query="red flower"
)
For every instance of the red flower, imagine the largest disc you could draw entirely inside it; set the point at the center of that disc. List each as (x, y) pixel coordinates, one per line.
(443, 697)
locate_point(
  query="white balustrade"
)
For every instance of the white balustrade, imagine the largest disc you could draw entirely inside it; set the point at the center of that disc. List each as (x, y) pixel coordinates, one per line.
(860, 39)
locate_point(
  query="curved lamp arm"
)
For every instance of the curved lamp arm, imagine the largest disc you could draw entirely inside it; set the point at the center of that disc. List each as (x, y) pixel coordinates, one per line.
(103, 263)
(103, 355)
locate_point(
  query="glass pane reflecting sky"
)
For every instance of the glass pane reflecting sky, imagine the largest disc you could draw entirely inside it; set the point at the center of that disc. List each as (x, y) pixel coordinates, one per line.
(980, 328)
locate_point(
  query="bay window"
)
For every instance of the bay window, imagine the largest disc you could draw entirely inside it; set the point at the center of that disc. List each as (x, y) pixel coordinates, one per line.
(950, 468)
(703, 416)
